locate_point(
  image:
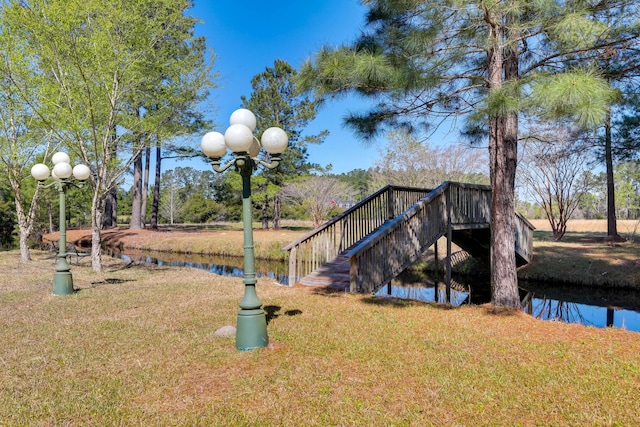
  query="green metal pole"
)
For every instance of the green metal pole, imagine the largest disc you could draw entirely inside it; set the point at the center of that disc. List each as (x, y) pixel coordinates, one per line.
(62, 279)
(251, 330)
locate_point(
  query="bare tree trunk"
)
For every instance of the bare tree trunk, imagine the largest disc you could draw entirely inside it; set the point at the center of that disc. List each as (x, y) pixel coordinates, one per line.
(612, 225)
(97, 207)
(25, 219)
(136, 205)
(156, 190)
(276, 212)
(503, 147)
(265, 217)
(110, 219)
(503, 144)
(114, 207)
(145, 187)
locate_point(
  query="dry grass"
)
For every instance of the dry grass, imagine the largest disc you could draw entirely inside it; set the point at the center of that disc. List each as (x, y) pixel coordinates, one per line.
(626, 228)
(584, 257)
(590, 264)
(135, 346)
(267, 243)
(222, 240)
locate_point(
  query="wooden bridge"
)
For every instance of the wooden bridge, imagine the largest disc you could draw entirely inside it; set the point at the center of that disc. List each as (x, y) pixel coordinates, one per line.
(368, 245)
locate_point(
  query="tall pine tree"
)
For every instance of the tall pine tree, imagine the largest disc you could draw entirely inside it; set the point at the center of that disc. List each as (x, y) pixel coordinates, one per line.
(276, 101)
(424, 61)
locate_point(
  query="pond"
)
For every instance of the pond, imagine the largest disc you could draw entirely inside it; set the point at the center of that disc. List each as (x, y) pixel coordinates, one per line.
(586, 305)
(598, 307)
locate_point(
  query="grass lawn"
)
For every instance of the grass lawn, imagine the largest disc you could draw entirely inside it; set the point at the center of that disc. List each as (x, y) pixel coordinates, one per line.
(583, 257)
(136, 346)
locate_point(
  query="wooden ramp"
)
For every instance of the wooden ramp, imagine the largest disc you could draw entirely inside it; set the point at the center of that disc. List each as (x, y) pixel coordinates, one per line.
(368, 245)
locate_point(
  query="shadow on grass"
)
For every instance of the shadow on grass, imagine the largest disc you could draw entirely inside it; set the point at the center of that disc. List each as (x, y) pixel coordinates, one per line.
(141, 265)
(487, 309)
(108, 281)
(581, 237)
(112, 281)
(328, 290)
(388, 301)
(271, 312)
(585, 262)
(296, 228)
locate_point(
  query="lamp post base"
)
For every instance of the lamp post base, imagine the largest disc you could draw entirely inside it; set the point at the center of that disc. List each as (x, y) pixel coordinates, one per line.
(251, 330)
(62, 283)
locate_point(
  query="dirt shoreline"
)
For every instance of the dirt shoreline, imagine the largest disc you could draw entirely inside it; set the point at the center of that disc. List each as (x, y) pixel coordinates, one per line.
(123, 237)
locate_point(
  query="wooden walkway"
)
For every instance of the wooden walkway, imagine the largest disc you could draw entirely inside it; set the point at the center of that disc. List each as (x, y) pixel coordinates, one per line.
(334, 274)
(365, 247)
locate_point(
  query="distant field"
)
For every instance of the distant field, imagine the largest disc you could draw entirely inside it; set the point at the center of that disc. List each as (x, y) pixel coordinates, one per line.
(626, 227)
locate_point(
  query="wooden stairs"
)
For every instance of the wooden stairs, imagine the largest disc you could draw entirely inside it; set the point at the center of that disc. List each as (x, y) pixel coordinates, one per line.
(365, 247)
(333, 274)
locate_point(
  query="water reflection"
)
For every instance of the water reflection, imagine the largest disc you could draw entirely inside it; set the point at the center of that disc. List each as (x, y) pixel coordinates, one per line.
(223, 266)
(588, 306)
(590, 315)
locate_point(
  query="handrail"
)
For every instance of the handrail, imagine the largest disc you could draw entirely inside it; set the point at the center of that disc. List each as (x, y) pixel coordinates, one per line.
(524, 237)
(335, 219)
(392, 225)
(403, 240)
(343, 231)
(350, 211)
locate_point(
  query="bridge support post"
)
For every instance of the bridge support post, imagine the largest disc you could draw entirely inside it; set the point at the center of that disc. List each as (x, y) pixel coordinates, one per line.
(353, 275)
(436, 262)
(293, 271)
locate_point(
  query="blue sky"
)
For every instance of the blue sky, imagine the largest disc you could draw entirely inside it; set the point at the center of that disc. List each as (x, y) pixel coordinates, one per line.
(247, 36)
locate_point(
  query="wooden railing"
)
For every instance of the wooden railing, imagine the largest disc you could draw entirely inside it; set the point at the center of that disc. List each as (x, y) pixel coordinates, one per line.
(524, 238)
(376, 261)
(406, 221)
(343, 231)
(470, 204)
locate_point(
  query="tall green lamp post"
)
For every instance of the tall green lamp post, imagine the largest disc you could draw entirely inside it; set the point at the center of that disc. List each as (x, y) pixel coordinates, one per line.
(63, 176)
(251, 329)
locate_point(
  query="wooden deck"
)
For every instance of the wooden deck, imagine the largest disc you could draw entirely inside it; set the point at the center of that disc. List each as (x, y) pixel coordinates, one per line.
(365, 247)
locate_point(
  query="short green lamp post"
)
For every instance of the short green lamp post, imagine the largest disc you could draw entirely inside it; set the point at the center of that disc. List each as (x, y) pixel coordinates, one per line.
(63, 176)
(251, 329)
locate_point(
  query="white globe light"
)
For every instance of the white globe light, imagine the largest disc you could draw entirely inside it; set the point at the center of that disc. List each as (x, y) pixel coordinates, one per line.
(213, 145)
(238, 138)
(274, 140)
(54, 176)
(254, 150)
(243, 117)
(40, 171)
(62, 170)
(81, 172)
(60, 157)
